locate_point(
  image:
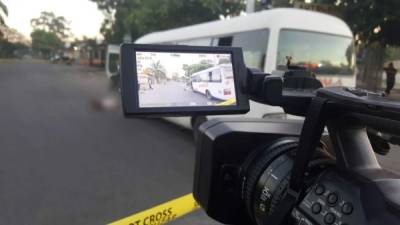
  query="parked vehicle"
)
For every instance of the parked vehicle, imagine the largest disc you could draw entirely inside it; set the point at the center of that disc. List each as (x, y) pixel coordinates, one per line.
(215, 82)
(320, 42)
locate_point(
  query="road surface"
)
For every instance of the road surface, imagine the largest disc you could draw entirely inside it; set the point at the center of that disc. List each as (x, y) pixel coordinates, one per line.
(64, 163)
(172, 93)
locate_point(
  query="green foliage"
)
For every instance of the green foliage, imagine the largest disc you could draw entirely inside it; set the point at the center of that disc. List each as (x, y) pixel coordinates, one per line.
(11, 50)
(3, 8)
(158, 70)
(370, 20)
(48, 32)
(374, 20)
(392, 53)
(49, 22)
(44, 42)
(194, 68)
(138, 17)
(108, 5)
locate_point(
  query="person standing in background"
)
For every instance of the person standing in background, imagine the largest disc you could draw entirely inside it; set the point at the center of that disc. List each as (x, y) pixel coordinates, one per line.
(390, 77)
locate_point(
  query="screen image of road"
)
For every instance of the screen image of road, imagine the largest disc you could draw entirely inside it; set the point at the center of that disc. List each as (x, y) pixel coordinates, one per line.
(173, 79)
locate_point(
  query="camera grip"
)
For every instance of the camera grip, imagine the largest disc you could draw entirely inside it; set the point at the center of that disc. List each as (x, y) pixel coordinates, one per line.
(379, 123)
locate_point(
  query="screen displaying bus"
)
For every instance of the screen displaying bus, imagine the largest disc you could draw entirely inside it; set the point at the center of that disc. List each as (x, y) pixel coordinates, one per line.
(174, 79)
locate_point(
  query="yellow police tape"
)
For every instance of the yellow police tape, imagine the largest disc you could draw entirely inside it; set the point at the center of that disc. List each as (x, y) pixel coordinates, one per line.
(163, 213)
(227, 102)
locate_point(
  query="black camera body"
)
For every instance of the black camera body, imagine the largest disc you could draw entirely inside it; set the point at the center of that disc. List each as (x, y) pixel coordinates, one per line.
(269, 172)
(222, 149)
(246, 171)
(232, 192)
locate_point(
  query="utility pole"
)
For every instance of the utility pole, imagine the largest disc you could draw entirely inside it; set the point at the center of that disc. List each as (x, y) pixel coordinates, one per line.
(250, 6)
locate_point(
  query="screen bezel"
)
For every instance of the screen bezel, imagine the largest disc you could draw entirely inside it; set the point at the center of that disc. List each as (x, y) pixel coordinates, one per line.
(129, 81)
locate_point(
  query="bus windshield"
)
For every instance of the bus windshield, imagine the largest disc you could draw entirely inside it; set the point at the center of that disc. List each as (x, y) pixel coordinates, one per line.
(324, 54)
(228, 72)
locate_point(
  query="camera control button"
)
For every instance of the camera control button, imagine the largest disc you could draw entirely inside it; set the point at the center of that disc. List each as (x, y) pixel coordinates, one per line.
(316, 208)
(329, 218)
(347, 208)
(319, 189)
(332, 198)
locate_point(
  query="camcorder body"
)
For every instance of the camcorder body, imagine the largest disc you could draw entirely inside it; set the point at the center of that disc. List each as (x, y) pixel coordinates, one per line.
(270, 172)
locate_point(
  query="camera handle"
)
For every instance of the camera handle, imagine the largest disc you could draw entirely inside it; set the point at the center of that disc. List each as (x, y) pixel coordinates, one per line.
(346, 112)
(294, 90)
(312, 130)
(355, 159)
(351, 144)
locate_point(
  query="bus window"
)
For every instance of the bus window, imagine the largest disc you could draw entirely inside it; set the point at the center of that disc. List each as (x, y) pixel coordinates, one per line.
(216, 76)
(254, 45)
(204, 77)
(324, 54)
(195, 78)
(225, 41)
(214, 41)
(228, 73)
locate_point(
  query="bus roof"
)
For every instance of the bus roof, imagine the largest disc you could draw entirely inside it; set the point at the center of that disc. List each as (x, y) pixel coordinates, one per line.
(288, 18)
(212, 68)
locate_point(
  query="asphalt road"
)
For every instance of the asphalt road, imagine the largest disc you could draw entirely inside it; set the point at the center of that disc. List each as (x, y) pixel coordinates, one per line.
(172, 93)
(62, 162)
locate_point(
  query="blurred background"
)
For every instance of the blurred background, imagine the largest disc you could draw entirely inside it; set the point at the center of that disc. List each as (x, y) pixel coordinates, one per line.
(67, 155)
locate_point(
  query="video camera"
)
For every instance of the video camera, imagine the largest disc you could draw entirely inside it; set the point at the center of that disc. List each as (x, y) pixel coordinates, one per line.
(270, 172)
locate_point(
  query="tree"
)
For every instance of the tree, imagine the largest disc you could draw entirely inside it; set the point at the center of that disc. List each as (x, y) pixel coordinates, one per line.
(393, 53)
(49, 22)
(108, 5)
(3, 8)
(44, 42)
(136, 17)
(11, 50)
(158, 70)
(375, 24)
(48, 34)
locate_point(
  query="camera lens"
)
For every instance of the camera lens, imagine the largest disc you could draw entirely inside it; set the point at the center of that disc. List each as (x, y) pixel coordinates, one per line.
(267, 179)
(271, 187)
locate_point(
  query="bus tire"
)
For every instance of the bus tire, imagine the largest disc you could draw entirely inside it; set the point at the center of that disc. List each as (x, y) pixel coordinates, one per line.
(208, 94)
(196, 122)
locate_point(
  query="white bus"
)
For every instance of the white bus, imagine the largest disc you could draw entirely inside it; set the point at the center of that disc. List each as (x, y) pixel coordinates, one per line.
(215, 82)
(321, 42)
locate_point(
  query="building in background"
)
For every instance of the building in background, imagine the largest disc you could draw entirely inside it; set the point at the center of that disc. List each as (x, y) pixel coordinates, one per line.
(89, 52)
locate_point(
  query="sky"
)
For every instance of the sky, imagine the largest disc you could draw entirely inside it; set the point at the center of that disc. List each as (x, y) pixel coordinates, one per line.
(84, 16)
